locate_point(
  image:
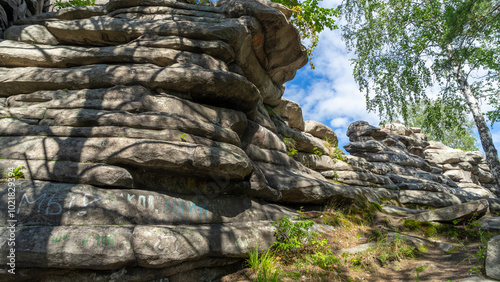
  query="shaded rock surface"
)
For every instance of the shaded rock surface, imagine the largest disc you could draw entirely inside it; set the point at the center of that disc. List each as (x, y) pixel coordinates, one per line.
(456, 212)
(493, 258)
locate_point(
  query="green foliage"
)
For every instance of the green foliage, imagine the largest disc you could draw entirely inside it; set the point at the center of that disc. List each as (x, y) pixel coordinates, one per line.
(326, 260)
(428, 229)
(473, 227)
(15, 173)
(291, 236)
(310, 19)
(290, 144)
(403, 48)
(494, 115)
(346, 212)
(334, 151)
(294, 238)
(419, 269)
(445, 122)
(263, 265)
(317, 152)
(394, 248)
(338, 154)
(183, 137)
(74, 3)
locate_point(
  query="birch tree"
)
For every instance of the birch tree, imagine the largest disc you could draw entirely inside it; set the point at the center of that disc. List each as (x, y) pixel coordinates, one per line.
(403, 48)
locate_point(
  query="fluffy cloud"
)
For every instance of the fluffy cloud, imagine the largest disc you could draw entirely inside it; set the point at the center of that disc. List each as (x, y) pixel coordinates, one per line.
(329, 93)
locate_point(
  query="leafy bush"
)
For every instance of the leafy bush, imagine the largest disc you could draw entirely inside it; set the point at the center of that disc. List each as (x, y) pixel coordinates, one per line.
(338, 154)
(294, 238)
(74, 3)
(290, 144)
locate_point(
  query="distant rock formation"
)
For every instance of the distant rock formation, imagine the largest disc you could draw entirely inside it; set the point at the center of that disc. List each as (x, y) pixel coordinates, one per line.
(155, 142)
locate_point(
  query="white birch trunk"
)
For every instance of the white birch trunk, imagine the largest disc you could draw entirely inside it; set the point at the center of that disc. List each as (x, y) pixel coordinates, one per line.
(484, 132)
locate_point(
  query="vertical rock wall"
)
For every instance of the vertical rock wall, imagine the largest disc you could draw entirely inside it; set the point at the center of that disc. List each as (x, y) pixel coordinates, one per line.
(150, 134)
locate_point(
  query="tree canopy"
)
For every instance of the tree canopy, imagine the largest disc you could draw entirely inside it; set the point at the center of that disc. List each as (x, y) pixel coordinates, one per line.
(456, 131)
(310, 19)
(402, 48)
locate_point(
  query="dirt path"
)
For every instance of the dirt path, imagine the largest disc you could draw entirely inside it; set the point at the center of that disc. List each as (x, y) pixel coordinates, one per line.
(431, 264)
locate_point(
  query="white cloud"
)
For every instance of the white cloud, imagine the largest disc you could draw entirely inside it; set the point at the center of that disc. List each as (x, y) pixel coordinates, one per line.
(339, 122)
(329, 93)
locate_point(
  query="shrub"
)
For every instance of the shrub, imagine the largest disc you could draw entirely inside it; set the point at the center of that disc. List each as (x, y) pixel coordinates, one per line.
(295, 239)
(290, 144)
(73, 3)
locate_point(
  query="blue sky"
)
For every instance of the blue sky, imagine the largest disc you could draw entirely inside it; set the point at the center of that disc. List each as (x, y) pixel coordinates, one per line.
(329, 94)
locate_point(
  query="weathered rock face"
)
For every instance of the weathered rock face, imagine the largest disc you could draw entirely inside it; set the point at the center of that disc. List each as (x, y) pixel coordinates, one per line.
(425, 173)
(156, 144)
(150, 134)
(493, 258)
(468, 169)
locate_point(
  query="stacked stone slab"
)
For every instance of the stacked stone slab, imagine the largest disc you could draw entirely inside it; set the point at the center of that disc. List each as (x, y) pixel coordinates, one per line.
(468, 169)
(150, 134)
(425, 174)
(409, 163)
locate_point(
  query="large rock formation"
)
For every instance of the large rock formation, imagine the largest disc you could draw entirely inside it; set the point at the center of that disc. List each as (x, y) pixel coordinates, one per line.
(150, 134)
(155, 142)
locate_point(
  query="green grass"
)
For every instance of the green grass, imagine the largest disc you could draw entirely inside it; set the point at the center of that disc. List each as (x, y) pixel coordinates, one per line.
(263, 265)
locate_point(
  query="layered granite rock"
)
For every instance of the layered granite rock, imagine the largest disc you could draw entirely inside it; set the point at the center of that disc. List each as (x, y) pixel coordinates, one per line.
(424, 173)
(155, 142)
(468, 169)
(151, 138)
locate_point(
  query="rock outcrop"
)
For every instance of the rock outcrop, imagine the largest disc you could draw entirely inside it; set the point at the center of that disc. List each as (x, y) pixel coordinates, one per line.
(151, 138)
(493, 258)
(401, 158)
(155, 143)
(468, 169)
